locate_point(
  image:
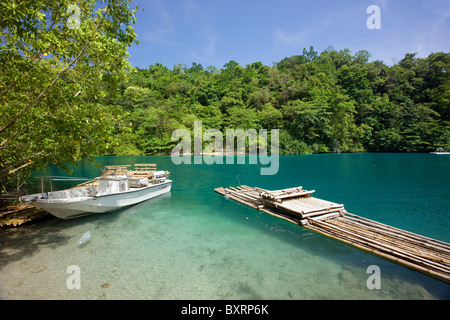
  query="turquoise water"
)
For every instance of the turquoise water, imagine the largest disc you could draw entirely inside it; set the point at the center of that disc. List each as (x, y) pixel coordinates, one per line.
(195, 244)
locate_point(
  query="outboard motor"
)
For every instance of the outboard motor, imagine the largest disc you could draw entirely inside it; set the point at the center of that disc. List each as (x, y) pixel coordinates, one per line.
(159, 176)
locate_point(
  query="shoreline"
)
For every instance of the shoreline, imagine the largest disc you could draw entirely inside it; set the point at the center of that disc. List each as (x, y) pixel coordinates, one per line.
(268, 153)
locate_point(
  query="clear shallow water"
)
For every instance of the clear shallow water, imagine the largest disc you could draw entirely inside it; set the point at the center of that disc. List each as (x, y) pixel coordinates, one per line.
(196, 244)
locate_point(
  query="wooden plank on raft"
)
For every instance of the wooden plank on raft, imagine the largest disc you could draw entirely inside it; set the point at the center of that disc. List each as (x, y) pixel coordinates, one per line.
(281, 197)
(295, 195)
(307, 207)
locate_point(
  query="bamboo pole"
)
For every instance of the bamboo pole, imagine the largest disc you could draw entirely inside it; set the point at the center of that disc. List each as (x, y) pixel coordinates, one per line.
(397, 234)
(238, 197)
(338, 237)
(397, 229)
(297, 194)
(437, 256)
(321, 212)
(384, 247)
(280, 197)
(388, 247)
(329, 216)
(272, 213)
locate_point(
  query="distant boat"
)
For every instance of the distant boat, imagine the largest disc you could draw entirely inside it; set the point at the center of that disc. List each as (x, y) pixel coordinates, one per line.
(440, 151)
(116, 188)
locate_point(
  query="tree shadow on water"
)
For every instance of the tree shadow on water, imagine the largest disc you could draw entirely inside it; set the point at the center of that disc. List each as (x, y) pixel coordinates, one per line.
(27, 240)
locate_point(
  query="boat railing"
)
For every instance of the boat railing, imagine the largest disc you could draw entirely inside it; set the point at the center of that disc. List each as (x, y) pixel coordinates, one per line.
(61, 178)
(142, 170)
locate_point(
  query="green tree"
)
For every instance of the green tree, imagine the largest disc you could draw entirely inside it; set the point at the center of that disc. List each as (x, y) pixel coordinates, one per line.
(271, 118)
(60, 65)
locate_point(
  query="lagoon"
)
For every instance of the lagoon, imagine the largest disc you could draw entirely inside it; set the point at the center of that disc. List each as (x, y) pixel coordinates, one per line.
(196, 244)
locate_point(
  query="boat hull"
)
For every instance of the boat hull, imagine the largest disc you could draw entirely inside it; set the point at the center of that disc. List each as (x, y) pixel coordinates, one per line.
(68, 209)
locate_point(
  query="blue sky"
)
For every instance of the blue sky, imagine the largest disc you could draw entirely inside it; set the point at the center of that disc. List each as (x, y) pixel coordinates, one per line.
(213, 32)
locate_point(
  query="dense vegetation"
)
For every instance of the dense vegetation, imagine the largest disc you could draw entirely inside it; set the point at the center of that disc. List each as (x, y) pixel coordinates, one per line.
(328, 102)
(60, 64)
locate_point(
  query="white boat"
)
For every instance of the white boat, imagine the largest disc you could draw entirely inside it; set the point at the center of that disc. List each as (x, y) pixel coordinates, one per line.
(440, 151)
(115, 189)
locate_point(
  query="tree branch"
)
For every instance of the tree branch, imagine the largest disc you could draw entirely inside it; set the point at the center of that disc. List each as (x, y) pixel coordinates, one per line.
(10, 123)
(20, 130)
(19, 168)
(26, 162)
(34, 58)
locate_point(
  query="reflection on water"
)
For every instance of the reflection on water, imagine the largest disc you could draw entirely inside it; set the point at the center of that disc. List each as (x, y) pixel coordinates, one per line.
(196, 244)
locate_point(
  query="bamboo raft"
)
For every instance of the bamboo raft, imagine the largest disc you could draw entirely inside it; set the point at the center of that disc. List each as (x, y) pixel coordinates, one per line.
(16, 215)
(299, 207)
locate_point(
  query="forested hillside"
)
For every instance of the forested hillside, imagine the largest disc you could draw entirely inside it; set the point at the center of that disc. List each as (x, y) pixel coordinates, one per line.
(334, 101)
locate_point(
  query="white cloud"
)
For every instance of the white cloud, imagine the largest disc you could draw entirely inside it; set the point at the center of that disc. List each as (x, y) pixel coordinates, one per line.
(383, 3)
(297, 38)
